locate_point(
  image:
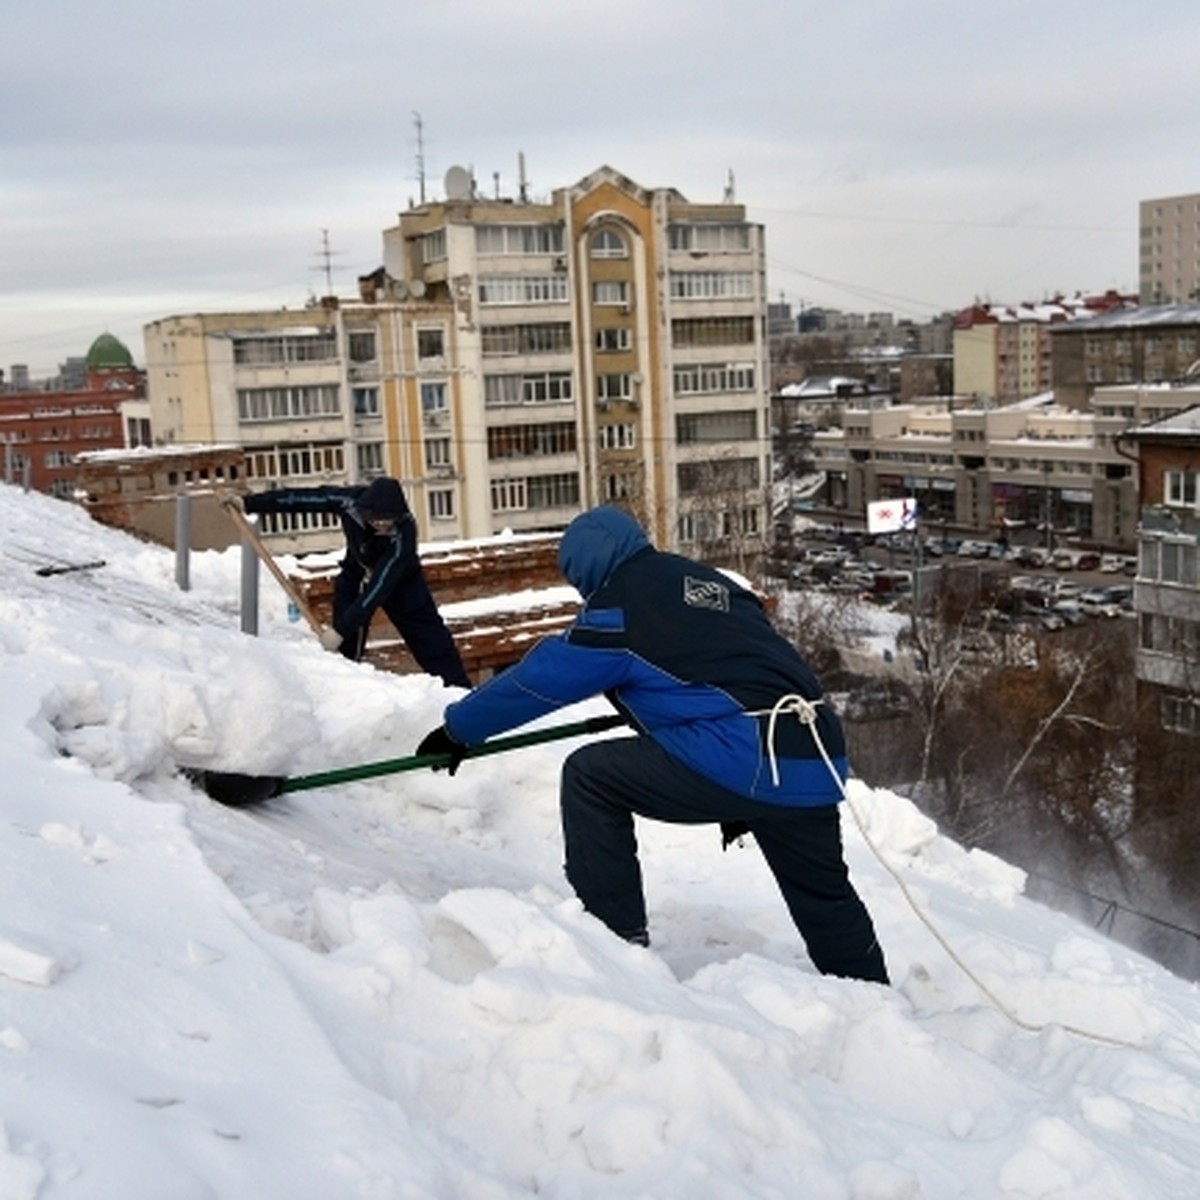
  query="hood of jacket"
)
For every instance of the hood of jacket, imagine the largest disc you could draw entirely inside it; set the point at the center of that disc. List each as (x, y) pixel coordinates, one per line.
(595, 544)
(383, 495)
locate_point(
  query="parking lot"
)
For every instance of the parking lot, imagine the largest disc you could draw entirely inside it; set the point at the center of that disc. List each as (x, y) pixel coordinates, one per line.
(1025, 584)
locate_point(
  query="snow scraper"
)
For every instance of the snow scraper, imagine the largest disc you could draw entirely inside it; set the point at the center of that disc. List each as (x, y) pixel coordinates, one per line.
(238, 791)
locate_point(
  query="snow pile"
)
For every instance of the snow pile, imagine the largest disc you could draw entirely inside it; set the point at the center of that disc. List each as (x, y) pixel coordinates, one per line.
(386, 989)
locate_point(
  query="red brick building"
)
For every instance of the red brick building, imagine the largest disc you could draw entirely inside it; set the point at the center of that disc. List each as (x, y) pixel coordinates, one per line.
(41, 431)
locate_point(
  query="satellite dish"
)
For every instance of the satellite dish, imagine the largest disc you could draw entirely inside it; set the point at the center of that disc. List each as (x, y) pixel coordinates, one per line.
(399, 288)
(416, 289)
(458, 184)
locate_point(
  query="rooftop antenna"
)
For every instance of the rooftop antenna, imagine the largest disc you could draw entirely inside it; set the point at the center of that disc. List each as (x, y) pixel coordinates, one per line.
(326, 255)
(523, 184)
(729, 188)
(420, 154)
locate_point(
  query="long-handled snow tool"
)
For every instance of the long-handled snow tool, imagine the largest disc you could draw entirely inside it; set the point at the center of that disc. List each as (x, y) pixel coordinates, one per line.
(251, 536)
(239, 791)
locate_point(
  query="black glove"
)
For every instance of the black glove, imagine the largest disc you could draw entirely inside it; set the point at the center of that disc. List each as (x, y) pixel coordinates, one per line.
(440, 741)
(732, 831)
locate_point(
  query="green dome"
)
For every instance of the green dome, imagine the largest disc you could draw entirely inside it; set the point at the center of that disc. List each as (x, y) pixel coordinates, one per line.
(108, 354)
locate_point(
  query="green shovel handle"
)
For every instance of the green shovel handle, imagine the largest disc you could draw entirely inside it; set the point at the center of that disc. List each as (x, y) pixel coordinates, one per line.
(393, 766)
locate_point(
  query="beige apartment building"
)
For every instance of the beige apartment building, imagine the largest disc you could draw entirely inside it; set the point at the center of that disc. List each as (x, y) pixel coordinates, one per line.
(1169, 250)
(512, 362)
(1005, 353)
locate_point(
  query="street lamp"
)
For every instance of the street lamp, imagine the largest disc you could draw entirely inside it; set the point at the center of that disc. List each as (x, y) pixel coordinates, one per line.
(1047, 467)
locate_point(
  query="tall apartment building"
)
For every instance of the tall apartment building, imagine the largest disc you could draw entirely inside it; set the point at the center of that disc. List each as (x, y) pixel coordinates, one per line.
(605, 346)
(511, 363)
(1169, 250)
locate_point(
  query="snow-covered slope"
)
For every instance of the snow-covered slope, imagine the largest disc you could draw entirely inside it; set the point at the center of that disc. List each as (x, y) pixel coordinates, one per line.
(386, 989)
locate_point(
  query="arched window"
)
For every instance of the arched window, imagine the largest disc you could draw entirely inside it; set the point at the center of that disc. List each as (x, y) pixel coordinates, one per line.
(608, 243)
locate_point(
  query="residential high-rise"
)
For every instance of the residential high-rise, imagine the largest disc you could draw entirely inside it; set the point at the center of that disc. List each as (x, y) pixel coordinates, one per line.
(1169, 250)
(512, 362)
(604, 346)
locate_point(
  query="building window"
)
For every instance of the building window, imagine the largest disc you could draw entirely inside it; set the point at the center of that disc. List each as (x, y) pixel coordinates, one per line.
(433, 246)
(614, 387)
(610, 291)
(1179, 488)
(288, 403)
(360, 345)
(501, 341)
(712, 285)
(366, 401)
(519, 239)
(608, 243)
(716, 427)
(712, 331)
(522, 289)
(612, 341)
(531, 441)
(437, 453)
(433, 397)
(708, 378)
(709, 235)
(1181, 714)
(370, 458)
(618, 437)
(270, 351)
(547, 387)
(431, 343)
(623, 486)
(441, 504)
(508, 495)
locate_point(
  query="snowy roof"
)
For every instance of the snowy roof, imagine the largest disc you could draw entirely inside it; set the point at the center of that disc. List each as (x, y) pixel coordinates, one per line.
(1147, 316)
(1180, 424)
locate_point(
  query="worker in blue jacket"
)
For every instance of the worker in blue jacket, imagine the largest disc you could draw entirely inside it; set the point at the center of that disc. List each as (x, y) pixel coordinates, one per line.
(732, 729)
(381, 569)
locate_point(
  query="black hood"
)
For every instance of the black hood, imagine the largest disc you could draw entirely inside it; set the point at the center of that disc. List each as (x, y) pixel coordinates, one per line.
(383, 496)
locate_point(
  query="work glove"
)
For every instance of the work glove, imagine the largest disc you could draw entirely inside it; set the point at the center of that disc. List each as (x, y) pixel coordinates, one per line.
(440, 741)
(330, 638)
(733, 831)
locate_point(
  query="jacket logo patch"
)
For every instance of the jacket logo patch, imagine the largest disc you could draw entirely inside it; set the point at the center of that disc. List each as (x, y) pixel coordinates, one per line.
(705, 593)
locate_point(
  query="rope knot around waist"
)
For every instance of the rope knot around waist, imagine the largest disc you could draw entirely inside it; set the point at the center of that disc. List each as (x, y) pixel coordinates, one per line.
(805, 711)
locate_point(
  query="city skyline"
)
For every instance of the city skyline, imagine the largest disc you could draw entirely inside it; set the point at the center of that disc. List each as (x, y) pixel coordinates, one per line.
(910, 159)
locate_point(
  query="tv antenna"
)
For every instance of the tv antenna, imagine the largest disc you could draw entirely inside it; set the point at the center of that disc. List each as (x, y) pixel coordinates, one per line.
(326, 255)
(420, 154)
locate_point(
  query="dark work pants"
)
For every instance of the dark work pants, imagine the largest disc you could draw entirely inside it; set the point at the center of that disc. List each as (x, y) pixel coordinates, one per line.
(605, 783)
(412, 610)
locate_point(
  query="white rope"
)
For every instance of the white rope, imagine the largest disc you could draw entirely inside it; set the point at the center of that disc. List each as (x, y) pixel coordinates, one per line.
(806, 712)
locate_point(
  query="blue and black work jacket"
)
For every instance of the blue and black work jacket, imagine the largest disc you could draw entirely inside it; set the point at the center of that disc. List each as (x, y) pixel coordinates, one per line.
(686, 654)
(375, 564)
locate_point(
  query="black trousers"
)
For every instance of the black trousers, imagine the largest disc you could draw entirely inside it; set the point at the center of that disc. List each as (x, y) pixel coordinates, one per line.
(412, 610)
(604, 784)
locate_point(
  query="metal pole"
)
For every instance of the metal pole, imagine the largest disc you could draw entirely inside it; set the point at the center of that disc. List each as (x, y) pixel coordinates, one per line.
(183, 540)
(249, 588)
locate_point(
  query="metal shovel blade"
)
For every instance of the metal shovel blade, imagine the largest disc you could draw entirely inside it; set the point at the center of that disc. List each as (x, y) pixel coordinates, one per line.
(236, 791)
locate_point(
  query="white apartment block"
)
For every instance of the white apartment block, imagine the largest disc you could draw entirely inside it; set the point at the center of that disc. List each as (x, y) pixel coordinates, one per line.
(512, 363)
(1169, 250)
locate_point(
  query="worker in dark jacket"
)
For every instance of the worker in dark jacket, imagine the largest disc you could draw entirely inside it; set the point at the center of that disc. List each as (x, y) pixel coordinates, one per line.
(381, 569)
(732, 729)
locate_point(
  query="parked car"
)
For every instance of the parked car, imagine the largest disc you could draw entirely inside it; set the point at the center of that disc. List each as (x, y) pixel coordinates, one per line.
(973, 549)
(1069, 611)
(1095, 602)
(1030, 556)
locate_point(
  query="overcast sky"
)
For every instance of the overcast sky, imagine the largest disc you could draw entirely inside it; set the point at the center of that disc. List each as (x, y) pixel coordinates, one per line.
(904, 156)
